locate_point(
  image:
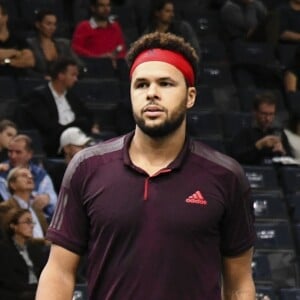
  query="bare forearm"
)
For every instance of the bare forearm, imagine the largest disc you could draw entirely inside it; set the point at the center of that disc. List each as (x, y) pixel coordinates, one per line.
(246, 294)
(290, 36)
(24, 60)
(53, 285)
(7, 53)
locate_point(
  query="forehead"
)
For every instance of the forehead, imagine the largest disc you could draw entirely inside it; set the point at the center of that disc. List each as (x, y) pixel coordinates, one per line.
(23, 171)
(17, 144)
(266, 107)
(49, 18)
(156, 69)
(102, 2)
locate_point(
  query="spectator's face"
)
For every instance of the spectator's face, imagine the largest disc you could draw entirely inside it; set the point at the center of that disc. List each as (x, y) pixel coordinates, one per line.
(7, 135)
(18, 154)
(102, 10)
(70, 151)
(47, 26)
(166, 14)
(69, 77)
(265, 115)
(23, 181)
(160, 98)
(3, 18)
(24, 227)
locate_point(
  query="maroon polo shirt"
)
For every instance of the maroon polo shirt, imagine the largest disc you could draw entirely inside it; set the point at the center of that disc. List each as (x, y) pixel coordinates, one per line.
(160, 237)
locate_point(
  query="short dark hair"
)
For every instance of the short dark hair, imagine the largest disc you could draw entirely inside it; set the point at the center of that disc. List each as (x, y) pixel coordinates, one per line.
(60, 66)
(42, 13)
(94, 2)
(167, 41)
(3, 8)
(7, 123)
(26, 139)
(12, 218)
(265, 97)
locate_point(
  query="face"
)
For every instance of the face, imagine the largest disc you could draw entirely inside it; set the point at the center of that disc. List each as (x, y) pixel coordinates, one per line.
(166, 14)
(6, 136)
(70, 151)
(47, 26)
(24, 227)
(102, 10)
(18, 154)
(265, 115)
(69, 77)
(160, 98)
(23, 181)
(3, 18)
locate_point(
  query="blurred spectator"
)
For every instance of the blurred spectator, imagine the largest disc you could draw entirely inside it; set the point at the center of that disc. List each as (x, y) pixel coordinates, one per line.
(242, 17)
(162, 18)
(54, 107)
(292, 73)
(15, 55)
(20, 154)
(291, 136)
(100, 36)
(261, 142)
(21, 185)
(45, 47)
(8, 130)
(22, 258)
(72, 140)
(289, 16)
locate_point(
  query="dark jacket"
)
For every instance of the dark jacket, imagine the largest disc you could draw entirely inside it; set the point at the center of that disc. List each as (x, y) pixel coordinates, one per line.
(41, 113)
(14, 272)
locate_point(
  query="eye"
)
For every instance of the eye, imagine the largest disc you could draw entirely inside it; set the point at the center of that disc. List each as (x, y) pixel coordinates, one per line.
(166, 83)
(141, 85)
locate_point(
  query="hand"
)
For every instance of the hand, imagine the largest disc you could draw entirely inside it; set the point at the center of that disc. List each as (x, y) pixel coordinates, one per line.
(268, 141)
(278, 147)
(40, 201)
(4, 167)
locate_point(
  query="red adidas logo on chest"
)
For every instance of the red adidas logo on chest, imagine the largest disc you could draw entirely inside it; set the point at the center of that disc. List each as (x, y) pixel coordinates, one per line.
(196, 198)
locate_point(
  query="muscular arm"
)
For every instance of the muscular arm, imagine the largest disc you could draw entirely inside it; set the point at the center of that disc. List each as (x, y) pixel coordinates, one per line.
(7, 53)
(290, 36)
(290, 82)
(237, 277)
(57, 280)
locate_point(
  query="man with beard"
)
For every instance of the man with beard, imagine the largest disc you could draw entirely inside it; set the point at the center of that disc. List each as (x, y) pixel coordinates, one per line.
(160, 216)
(100, 36)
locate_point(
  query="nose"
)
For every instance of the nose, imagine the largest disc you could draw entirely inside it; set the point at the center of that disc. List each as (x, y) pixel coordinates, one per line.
(152, 92)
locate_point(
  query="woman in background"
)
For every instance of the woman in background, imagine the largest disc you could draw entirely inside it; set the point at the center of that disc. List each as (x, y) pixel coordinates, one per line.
(22, 258)
(45, 47)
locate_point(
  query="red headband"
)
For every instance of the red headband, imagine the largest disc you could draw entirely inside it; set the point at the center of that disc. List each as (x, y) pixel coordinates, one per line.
(167, 56)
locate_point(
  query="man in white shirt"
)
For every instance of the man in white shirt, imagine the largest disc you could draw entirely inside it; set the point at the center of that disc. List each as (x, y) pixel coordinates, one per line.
(53, 107)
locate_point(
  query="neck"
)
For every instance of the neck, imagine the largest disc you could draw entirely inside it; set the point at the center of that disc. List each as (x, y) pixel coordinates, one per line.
(19, 240)
(4, 33)
(58, 87)
(162, 27)
(154, 154)
(24, 195)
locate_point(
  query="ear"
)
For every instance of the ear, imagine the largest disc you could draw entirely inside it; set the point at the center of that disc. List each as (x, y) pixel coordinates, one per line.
(191, 97)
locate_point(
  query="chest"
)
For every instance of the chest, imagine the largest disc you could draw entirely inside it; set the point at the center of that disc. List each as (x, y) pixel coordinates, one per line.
(173, 202)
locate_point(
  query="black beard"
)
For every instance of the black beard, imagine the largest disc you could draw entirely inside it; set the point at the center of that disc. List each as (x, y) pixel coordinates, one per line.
(162, 130)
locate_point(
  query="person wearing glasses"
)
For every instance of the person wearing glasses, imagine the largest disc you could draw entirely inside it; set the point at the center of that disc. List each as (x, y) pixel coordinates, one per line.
(21, 185)
(260, 143)
(22, 258)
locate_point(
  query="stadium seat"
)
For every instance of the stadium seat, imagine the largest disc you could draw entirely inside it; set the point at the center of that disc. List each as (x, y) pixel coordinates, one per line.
(261, 269)
(27, 84)
(80, 292)
(290, 294)
(269, 206)
(100, 68)
(265, 292)
(213, 51)
(274, 236)
(234, 121)
(290, 179)
(98, 92)
(293, 101)
(204, 124)
(262, 178)
(205, 99)
(8, 88)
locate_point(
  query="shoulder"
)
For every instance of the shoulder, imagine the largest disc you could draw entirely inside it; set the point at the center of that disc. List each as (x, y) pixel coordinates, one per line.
(220, 160)
(94, 156)
(83, 25)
